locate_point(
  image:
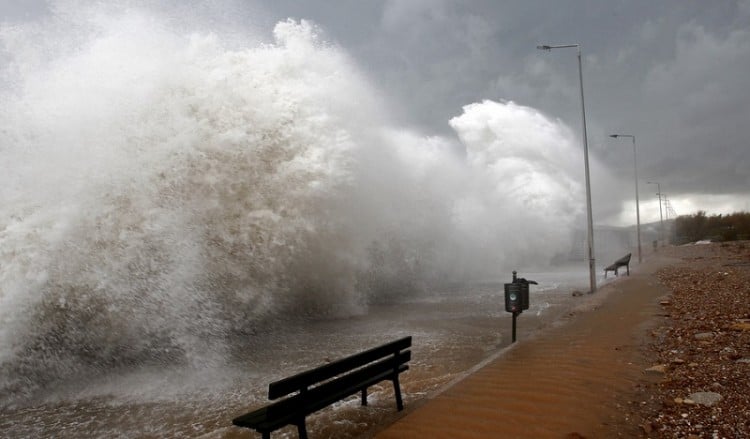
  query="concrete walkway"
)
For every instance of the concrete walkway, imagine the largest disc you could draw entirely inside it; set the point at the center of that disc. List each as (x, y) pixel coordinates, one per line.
(569, 381)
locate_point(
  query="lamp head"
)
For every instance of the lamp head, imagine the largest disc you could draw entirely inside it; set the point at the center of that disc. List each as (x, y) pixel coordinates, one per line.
(544, 47)
(614, 136)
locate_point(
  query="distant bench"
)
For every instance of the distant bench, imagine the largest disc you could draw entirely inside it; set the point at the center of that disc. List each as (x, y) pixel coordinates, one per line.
(622, 262)
(320, 387)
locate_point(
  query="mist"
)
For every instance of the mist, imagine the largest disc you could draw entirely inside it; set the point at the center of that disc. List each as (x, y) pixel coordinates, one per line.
(167, 188)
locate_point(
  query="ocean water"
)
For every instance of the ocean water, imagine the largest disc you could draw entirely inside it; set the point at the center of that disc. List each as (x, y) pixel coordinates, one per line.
(187, 213)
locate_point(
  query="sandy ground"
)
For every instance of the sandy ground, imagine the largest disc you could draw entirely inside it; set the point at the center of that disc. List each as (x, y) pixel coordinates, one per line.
(646, 356)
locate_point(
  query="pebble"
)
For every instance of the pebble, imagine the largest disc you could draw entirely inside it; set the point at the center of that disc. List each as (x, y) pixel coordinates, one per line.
(705, 398)
(659, 368)
(704, 336)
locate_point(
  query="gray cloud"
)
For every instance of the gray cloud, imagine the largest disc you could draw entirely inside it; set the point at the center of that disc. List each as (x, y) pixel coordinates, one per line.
(674, 73)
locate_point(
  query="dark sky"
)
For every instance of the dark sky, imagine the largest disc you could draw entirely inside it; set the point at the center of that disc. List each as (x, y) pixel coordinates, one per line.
(674, 73)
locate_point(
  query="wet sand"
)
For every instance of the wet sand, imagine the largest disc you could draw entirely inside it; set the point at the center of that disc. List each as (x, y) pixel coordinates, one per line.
(572, 380)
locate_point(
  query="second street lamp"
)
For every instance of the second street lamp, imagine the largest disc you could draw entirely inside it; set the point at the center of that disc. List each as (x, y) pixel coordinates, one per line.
(637, 204)
(589, 216)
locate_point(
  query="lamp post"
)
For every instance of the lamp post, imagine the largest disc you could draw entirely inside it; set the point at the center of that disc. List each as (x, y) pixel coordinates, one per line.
(637, 204)
(661, 216)
(589, 217)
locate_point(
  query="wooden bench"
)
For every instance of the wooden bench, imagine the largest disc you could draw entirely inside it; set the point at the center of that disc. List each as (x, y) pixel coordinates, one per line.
(622, 262)
(318, 388)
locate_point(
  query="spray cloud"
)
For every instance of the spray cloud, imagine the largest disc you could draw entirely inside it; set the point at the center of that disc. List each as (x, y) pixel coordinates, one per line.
(164, 191)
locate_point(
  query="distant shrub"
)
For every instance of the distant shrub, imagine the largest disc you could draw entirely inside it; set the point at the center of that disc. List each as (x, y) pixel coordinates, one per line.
(732, 227)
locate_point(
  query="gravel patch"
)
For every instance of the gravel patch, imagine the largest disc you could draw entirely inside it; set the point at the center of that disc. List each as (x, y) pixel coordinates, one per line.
(703, 340)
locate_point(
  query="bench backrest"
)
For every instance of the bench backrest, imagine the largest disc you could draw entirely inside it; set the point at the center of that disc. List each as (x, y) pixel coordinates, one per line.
(308, 378)
(624, 260)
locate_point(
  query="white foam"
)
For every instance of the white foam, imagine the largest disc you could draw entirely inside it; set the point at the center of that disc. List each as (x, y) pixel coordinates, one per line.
(165, 188)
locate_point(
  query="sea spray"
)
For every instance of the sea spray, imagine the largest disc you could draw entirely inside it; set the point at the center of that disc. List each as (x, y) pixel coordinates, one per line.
(160, 202)
(523, 165)
(167, 195)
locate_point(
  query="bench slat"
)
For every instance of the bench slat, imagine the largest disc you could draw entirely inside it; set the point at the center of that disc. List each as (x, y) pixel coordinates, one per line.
(274, 419)
(349, 384)
(290, 410)
(305, 379)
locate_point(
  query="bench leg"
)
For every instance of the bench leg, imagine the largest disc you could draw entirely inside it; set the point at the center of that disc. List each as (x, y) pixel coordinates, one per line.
(266, 435)
(628, 267)
(364, 396)
(397, 391)
(302, 430)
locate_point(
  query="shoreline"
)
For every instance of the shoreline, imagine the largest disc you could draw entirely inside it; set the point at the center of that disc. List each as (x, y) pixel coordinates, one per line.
(579, 367)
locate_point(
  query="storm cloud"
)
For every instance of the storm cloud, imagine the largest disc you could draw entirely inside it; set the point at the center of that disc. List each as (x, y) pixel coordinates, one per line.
(673, 73)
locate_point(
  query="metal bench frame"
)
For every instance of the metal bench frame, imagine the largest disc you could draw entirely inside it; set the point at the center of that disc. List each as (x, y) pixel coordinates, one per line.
(318, 388)
(622, 262)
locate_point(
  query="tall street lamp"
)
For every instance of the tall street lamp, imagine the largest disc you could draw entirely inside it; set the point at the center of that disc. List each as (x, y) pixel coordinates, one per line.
(637, 204)
(589, 216)
(661, 216)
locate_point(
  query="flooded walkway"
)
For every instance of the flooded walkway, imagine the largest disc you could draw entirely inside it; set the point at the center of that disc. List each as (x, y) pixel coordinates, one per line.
(568, 381)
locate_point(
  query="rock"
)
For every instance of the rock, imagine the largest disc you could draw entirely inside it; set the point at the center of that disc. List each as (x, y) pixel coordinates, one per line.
(705, 398)
(577, 293)
(678, 400)
(688, 401)
(659, 368)
(744, 360)
(704, 336)
(678, 361)
(665, 303)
